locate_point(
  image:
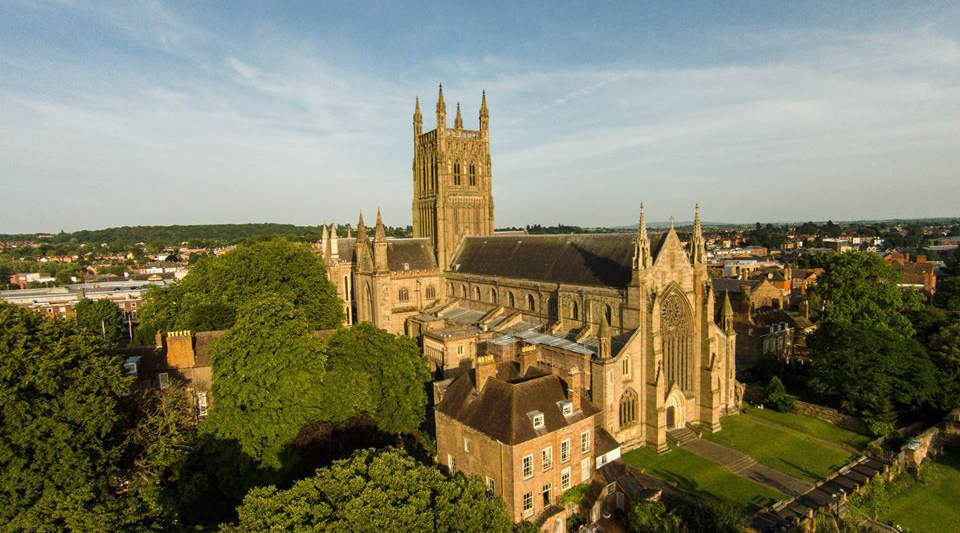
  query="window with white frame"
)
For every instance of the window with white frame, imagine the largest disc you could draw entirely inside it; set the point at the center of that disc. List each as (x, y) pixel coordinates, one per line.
(451, 463)
(537, 419)
(527, 466)
(201, 404)
(564, 450)
(585, 441)
(528, 505)
(566, 407)
(491, 484)
(565, 479)
(466, 445)
(546, 458)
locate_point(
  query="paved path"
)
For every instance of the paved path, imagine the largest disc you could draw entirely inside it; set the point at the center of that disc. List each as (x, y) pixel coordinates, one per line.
(743, 465)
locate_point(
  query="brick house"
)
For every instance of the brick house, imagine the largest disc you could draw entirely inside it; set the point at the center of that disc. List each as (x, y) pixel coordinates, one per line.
(529, 434)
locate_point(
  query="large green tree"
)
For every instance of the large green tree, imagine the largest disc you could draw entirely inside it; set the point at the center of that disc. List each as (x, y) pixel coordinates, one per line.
(945, 353)
(210, 295)
(267, 371)
(375, 491)
(948, 294)
(872, 370)
(61, 427)
(101, 317)
(859, 288)
(376, 373)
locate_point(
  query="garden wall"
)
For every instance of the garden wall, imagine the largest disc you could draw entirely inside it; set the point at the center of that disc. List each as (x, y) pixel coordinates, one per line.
(832, 416)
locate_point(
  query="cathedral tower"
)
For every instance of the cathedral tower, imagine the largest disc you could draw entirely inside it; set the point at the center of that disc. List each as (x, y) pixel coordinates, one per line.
(452, 181)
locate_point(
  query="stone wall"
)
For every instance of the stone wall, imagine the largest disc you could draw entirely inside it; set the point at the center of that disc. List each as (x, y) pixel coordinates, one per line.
(832, 416)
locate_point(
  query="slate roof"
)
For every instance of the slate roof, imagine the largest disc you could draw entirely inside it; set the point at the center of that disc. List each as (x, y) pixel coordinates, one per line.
(402, 254)
(603, 259)
(501, 409)
(734, 286)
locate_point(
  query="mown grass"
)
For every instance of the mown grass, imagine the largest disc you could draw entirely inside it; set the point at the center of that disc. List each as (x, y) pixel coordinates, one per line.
(932, 504)
(812, 426)
(800, 456)
(693, 473)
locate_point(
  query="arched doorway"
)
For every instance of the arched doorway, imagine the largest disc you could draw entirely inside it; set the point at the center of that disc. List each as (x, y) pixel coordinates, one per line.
(674, 410)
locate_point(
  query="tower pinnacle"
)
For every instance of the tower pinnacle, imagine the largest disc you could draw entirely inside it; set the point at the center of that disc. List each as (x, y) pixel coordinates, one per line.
(697, 249)
(458, 122)
(484, 113)
(417, 118)
(641, 251)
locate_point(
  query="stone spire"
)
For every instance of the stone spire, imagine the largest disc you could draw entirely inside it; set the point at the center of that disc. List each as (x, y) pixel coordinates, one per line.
(698, 251)
(334, 242)
(361, 230)
(641, 251)
(458, 122)
(727, 313)
(484, 113)
(441, 110)
(380, 234)
(380, 246)
(417, 119)
(325, 242)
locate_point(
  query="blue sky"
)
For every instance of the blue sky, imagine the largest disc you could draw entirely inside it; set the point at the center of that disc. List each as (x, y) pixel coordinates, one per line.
(164, 112)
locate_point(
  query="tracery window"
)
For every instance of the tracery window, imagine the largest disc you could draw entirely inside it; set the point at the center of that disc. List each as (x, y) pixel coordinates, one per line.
(456, 173)
(676, 339)
(404, 294)
(431, 291)
(628, 408)
(473, 174)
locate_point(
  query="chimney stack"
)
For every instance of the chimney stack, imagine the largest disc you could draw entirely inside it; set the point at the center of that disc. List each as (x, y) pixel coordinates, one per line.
(485, 367)
(573, 387)
(180, 352)
(529, 357)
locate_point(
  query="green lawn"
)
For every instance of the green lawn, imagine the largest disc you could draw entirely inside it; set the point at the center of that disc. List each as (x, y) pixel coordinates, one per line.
(812, 426)
(696, 474)
(933, 505)
(791, 453)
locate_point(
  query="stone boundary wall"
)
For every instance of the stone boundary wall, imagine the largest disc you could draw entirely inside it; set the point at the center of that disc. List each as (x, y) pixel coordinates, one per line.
(832, 416)
(754, 395)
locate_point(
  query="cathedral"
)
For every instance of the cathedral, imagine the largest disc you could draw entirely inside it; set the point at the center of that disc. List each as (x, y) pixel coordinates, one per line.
(634, 313)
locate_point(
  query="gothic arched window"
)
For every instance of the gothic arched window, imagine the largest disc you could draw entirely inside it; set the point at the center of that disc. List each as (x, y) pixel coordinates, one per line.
(404, 294)
(676, 339)
(511, 300)
(628, 408)
(476, 293)
(456, 173)
(574, 310)
(463, 290)
(552, 309)
(473, 174)
(531, 303)
(493, 295)
(608, 313)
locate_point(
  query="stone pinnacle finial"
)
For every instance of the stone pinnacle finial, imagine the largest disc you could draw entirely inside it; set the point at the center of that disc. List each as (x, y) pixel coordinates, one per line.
(361, 229)
(483, 105)
(380, 234)
(441, 105)
(458, 122)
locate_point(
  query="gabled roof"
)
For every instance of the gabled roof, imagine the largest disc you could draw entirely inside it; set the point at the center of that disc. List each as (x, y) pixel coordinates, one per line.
(501, 409)
(603, 259)
(402, 254)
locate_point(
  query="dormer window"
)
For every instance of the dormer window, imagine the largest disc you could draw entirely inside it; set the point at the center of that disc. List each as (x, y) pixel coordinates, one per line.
(566, 406)
(536, 418)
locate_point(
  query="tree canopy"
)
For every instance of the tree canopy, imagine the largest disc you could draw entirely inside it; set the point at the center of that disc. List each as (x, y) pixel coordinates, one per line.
(374, 372)
(101, 317)
(61, 432)
(210, 295)
(267, 371)
(375, 491)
